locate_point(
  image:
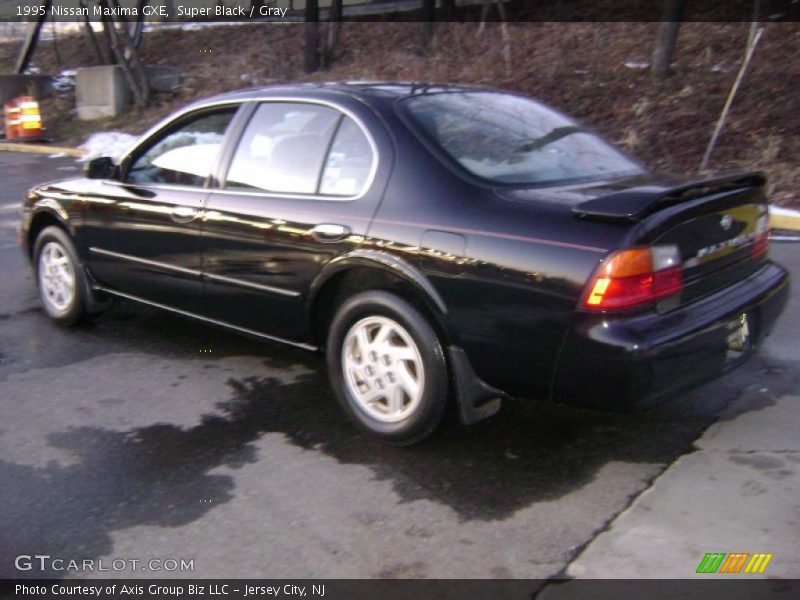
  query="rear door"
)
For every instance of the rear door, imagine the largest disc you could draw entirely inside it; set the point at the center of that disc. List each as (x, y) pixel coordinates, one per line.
(300, 190)
(143, 232)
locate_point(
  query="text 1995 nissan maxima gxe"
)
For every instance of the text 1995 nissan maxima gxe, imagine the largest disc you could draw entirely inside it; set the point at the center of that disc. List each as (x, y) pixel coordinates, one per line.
(440, 243)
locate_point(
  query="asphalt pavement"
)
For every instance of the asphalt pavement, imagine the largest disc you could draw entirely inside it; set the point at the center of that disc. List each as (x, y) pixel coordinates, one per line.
(145, 436)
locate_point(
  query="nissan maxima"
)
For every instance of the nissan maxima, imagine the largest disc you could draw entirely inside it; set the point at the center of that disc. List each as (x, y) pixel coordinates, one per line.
(444, 246)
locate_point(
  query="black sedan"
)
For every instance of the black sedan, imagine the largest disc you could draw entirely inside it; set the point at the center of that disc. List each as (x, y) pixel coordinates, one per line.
(444, 246)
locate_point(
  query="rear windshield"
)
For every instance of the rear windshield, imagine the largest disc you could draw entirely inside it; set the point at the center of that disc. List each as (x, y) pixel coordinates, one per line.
(510, 139)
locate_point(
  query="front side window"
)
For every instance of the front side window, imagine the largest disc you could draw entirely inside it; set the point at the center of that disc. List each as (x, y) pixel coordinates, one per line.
(186, 155)
(510, 139)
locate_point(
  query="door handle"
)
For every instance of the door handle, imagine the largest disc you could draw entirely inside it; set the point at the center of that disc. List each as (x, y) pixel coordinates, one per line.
(330, 232)
(183, 214)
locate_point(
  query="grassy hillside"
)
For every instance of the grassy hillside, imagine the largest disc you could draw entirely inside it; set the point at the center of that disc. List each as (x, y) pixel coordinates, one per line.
(579, 68)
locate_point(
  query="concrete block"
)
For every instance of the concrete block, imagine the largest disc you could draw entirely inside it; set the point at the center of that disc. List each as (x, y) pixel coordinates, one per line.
(101, 92)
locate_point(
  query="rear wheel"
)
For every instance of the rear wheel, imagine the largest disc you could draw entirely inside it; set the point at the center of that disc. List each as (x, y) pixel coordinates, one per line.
(387, 366)
(59, 277)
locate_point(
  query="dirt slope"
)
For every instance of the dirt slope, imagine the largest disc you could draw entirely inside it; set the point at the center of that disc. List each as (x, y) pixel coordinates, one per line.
(579, 68)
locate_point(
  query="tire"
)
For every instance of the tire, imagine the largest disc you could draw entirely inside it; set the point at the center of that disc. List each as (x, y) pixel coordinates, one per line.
(60, 278)
(387, 367)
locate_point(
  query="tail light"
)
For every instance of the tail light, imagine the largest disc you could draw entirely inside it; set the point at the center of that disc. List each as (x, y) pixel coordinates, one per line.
(635, 277)
(761, 241)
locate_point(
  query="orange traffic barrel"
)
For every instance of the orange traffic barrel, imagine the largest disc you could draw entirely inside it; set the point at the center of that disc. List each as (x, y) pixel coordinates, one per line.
(30, 118)
(11, 112)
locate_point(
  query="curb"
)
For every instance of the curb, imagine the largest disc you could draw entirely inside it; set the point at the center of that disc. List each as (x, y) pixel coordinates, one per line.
(784, 218)
(40, 149)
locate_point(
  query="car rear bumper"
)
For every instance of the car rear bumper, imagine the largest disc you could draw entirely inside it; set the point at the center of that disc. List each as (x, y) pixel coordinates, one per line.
(624, 362)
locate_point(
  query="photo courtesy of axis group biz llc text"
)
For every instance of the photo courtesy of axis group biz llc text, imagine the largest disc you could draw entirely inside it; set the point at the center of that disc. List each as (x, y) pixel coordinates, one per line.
(168, 590)
(424, 299)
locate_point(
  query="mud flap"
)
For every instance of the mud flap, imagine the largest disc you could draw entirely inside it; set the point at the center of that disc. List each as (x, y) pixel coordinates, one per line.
(96, 301)
(476, 400)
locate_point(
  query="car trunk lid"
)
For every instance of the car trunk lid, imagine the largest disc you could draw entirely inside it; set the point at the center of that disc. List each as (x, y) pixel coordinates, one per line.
(719, 226)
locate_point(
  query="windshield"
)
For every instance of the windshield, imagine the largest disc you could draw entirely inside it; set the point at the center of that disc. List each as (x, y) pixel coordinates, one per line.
(510, 139)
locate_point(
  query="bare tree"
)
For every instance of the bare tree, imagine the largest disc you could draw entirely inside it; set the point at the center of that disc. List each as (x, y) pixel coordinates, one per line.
(172, 14)
(428, 16)
(448, 9)
(104, 55)
(332, 35)
(29, 46)
(312, 36)
(126, 53)
(667, 38)
(501, 11)
(106, 23)
(137, 30)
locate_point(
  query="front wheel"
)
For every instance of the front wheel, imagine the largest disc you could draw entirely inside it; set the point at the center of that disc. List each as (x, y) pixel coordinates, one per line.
(59, 277)
(387, 367)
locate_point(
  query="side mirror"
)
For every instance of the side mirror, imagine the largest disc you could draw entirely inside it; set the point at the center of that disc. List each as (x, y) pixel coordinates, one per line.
(101, 168)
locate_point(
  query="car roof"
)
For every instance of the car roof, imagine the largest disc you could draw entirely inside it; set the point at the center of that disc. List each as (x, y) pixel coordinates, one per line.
(374, 90)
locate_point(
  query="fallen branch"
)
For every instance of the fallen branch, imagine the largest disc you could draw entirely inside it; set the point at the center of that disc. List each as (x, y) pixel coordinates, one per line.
(724, 115)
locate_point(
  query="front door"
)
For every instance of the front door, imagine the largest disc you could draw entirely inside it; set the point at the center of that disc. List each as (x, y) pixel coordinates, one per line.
(143, 231)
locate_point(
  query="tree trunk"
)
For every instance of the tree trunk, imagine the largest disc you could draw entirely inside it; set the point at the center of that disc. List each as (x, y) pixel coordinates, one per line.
(486, 6)
(667, 38)
(135, 64)
(138, 29)
(172, 14)
(255, 7)
(138, 99)
(428, 16)
(29, 47)
(127, 55)
(103, 58)
(312, 35)
(336, 11)
(108, 39)
(449, 9)
(332, 36)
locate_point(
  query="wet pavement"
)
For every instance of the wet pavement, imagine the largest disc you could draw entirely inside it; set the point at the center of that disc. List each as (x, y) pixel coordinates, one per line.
(146, 436)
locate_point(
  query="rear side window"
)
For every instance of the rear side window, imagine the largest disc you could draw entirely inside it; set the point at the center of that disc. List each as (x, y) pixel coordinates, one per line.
(283, 148)
(298, 148)
(186, 155)
(349, 161)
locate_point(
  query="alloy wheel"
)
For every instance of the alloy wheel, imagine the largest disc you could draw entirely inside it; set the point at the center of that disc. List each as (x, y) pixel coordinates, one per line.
(383, 368)
(56, 277)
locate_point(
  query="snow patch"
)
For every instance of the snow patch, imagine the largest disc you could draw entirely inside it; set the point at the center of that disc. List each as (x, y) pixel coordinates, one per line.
(106, 143)
(64, 81)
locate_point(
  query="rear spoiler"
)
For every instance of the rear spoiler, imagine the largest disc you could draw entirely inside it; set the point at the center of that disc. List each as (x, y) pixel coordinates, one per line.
(635, 203)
